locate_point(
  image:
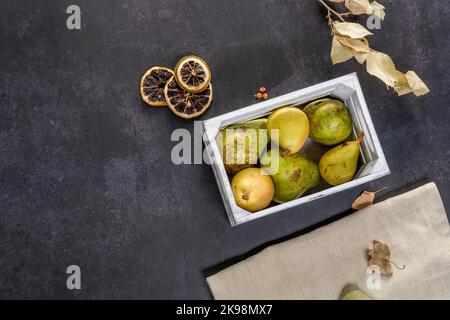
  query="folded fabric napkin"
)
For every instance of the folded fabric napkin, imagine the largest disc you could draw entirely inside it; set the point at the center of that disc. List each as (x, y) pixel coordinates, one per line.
(319, 264)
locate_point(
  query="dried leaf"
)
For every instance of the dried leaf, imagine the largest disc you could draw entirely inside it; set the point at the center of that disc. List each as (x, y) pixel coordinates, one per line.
(378, 10)
(364, 200)
(361, 57)
(359, 6)
(401, 86)
(381, 66)
(350, 29)
(417, 85)
(376, 5)
(339, 52)
(380, 256)
(364, 7)
(358, 45)
(410, 82)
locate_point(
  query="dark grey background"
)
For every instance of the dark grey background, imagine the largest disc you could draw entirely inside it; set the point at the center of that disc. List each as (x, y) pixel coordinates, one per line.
(85, 170)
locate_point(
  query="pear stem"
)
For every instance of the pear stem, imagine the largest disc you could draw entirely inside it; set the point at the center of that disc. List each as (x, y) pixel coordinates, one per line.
(286, 153)
(379, 190)
(360, 138)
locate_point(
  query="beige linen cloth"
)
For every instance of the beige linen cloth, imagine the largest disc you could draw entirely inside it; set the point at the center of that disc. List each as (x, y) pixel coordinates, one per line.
(319, 264)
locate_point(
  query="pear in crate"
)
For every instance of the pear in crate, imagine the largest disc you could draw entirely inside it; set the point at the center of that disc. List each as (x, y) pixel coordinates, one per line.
(252, 189)
(292, 175)
(330, 121)
(241, 144)
(289, 127)
(338, 165)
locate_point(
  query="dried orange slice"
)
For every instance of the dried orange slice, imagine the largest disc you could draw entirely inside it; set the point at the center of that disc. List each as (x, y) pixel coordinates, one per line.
(193, 74)
(152, 85)
(186, 104)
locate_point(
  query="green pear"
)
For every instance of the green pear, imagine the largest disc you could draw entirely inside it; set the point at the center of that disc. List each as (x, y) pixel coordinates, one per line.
(330, 121)
(338, 165)
(293, 175)
(289, 128)
(352, 292)
(241, 144)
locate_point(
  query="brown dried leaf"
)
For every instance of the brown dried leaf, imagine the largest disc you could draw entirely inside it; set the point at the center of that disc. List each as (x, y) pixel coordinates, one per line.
(364, 200)
(350, 29)
(364, 7)
(378, 10)
(359, 6)
(417, 85)
(361, 57)
(358, 45)
(410, 82)
(379, 256)
(381, 66)
(401, 86)
(339, 52)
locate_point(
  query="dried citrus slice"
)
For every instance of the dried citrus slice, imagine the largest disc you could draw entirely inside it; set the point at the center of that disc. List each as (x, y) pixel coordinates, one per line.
(193, 74)
(152, 85)
(186, 104)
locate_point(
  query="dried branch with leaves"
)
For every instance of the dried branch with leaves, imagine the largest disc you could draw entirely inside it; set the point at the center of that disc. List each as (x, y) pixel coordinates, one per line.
(349, 41)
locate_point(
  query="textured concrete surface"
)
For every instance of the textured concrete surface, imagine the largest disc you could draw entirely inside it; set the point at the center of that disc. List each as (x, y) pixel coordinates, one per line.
(85, 170)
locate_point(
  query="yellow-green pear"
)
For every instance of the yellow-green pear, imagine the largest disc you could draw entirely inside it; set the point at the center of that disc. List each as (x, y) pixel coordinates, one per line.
(289, 127)
(330, 121)
(241, 144)
(252, 189)
(292, 175)
(338, 165)
(352, 292)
